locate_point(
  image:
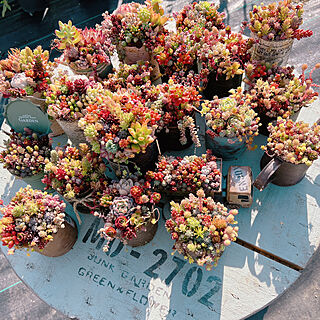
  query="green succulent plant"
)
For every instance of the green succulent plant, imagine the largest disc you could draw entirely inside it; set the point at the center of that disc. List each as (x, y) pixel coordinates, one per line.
(140, 136)
(68, 35)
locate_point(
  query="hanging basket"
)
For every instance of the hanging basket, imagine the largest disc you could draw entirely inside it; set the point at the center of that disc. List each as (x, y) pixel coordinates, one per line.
(102, 70)
(225, 148)
(219, 86)
(279, 172)
(74, 133)
(272, 51)
(63, 241)
(144, 235)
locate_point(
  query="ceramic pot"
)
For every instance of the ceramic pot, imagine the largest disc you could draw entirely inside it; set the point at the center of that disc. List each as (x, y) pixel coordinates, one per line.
(219, 86)
(265, 120)
(225, 148)
(63, 241)
(131, 55)
(272, 51)
(279, 172)
(145, 161)
(34, 181)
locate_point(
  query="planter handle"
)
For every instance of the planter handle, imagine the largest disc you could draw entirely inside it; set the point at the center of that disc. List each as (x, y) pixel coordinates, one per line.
(265, 176)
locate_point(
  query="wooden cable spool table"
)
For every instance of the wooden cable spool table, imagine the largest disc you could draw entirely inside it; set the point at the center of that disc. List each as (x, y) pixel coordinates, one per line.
(277, 236)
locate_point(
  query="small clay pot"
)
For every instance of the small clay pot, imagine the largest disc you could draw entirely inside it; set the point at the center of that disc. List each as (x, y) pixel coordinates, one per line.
(279, 172)
(219, 86)
(63, 241)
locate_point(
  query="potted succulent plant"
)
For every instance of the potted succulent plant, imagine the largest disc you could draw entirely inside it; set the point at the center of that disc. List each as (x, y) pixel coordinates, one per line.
(231, 125)
(204, 14)
(177, 128)
(221, 61)
(278, 92)
(24, 156)
(74, 173)
(291, 149)
(175, 52)
(128, 210)
(134, 75)
(85, 51)
(122, 130)
(274, 28)
(37, 221)
(25, 74)
(133, 29)
(201, 228)
(176, 176)
(65, 101)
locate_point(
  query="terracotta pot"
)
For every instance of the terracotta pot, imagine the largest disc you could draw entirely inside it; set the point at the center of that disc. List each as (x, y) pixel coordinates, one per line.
(143, 237)
(63, 240)
(219, 86)
(279, 172)
(272, 51)
(74, 133)
(225, 148)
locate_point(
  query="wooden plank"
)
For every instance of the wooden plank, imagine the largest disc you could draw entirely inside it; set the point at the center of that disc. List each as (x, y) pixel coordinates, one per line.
(146, 283)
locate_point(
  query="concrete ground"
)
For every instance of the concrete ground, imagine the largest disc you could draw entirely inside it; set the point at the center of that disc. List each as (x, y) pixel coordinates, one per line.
(300, 302)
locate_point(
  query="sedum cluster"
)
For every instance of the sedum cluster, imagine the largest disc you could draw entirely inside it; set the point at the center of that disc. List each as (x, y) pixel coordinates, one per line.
(201, 228)
(31, 219)
(294, 142)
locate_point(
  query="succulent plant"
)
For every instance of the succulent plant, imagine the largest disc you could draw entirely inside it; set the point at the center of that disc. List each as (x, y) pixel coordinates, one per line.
(140, 136)
(68, 35)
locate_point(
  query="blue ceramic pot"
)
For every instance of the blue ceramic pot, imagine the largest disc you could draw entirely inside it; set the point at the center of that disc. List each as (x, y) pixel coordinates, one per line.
(225, 148)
